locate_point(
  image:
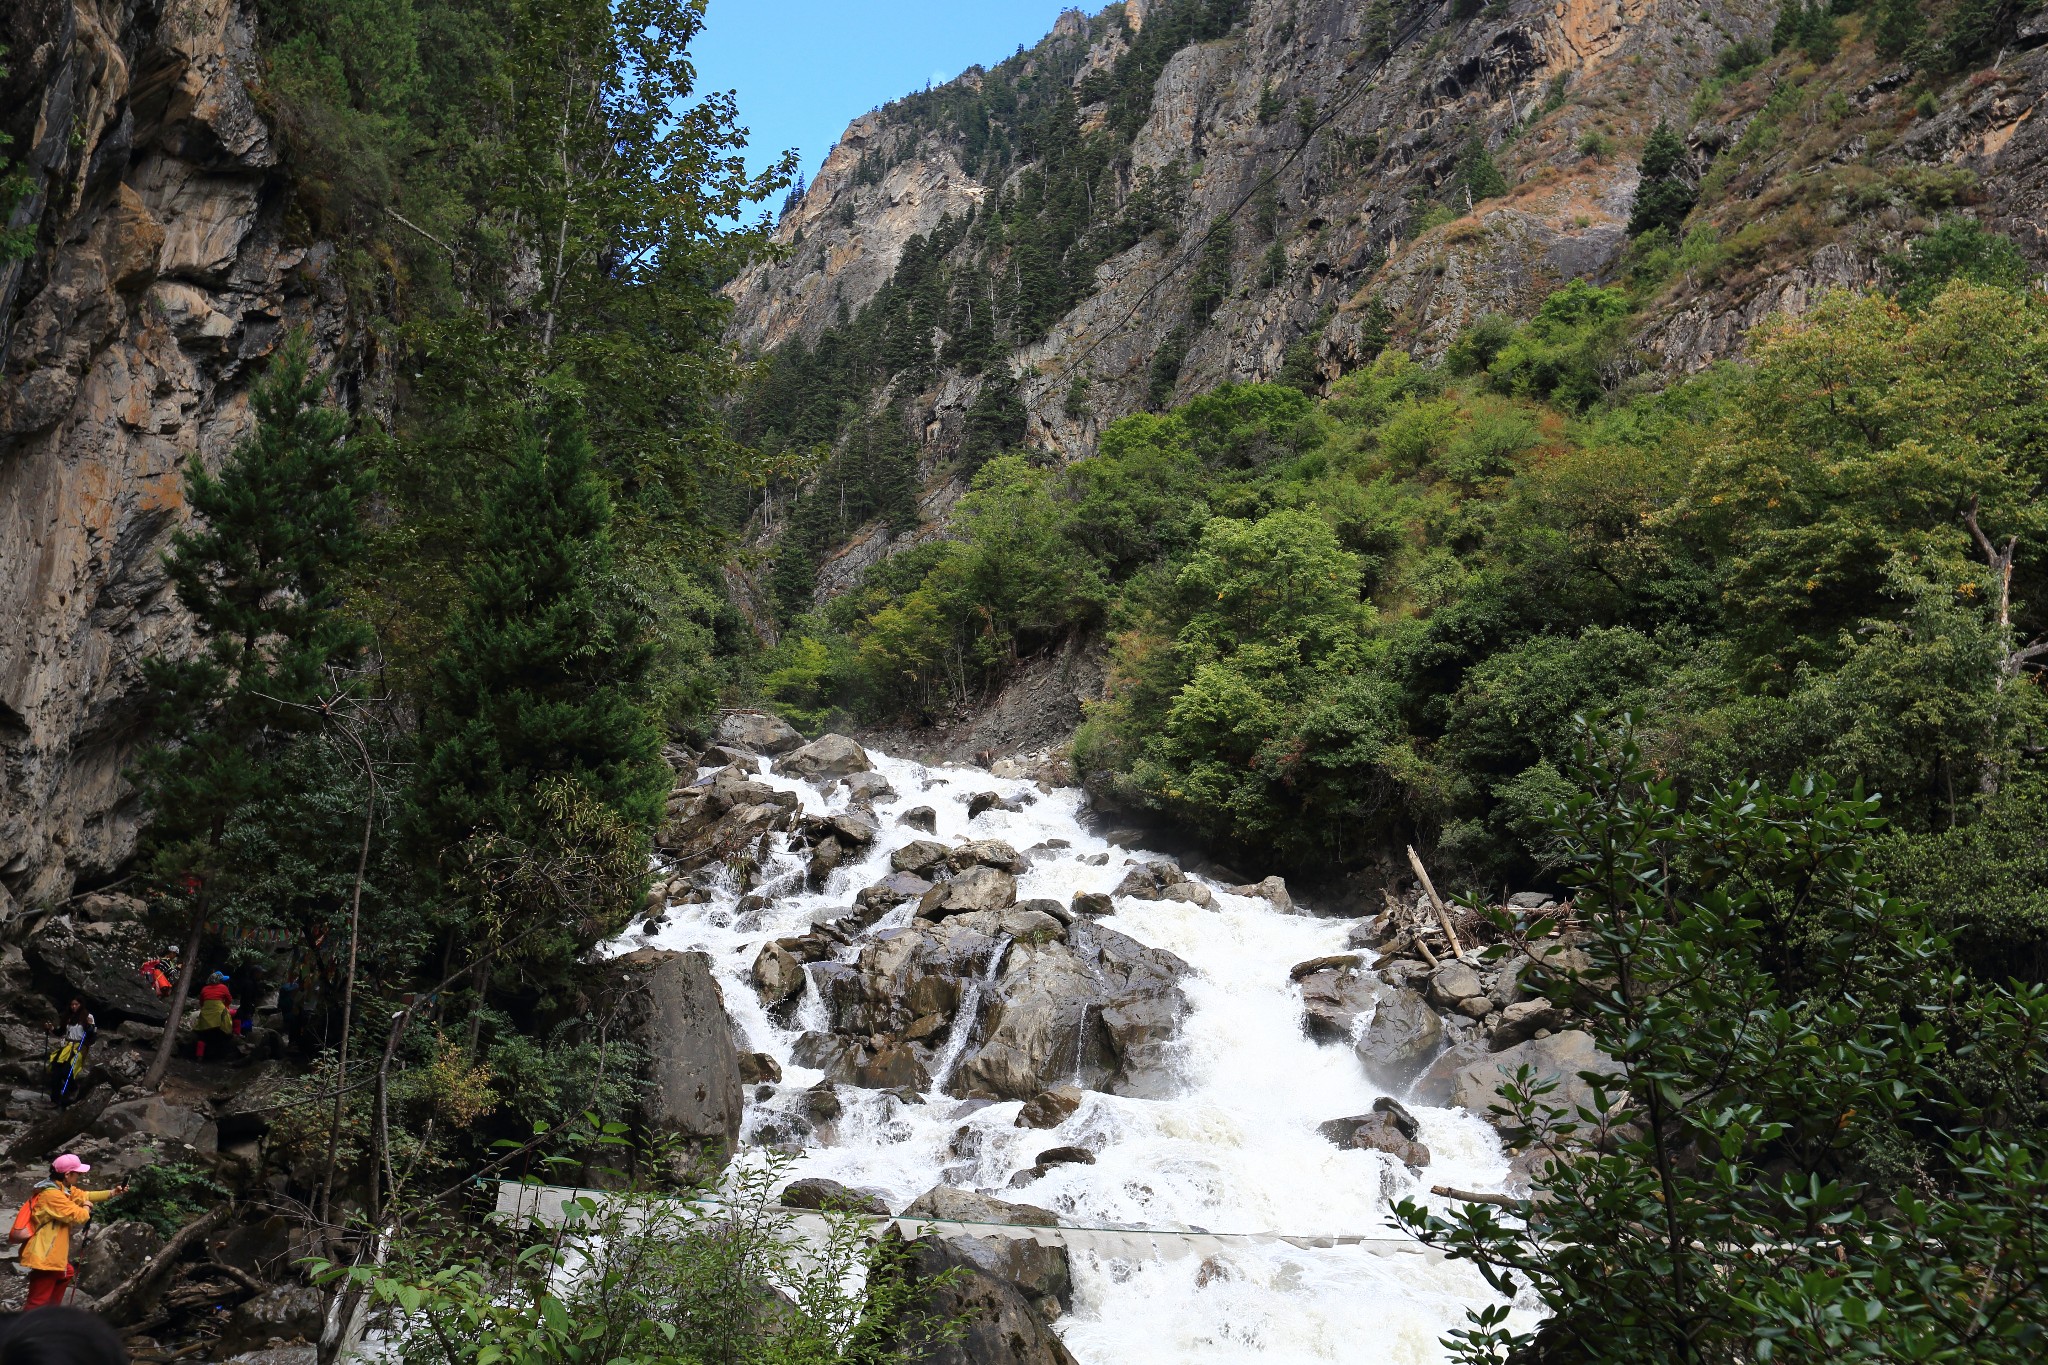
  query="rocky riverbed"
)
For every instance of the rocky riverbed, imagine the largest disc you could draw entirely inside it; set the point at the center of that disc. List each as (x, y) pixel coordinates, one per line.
(952, 996)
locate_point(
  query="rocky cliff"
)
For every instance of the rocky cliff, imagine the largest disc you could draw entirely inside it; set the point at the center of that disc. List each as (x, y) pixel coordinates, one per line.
(165, 264)
(1319, 156)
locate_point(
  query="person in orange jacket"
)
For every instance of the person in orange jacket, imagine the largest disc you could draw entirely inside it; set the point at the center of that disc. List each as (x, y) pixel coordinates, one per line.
(58, 1205)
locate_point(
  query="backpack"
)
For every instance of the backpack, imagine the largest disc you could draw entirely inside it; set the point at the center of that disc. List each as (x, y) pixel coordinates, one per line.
(24, 1223)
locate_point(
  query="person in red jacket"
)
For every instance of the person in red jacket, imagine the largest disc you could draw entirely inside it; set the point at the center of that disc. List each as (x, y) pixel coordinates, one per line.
(216, 1016)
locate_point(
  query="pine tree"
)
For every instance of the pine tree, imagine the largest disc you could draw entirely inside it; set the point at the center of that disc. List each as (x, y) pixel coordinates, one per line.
(543, 673)
(262, 573)
(1477, 172)
(1664, 192)
(1900, 24)
(1791, 23)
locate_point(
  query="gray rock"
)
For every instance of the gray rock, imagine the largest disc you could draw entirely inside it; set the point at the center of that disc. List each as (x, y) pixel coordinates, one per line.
(1454, 981)
(826, 756)
(1439, 1079)
(1398, 1114)
(920, 817)
(111, 1253)
(1040, 1273)
(288, 1311)
(1272, 889)
(987, 853)
(852, 828)
(778, 976)
(1032, 926)
(1051, 908)
(869, 787)
(891, 892)
(756, 730)
(818, 1193)
(758, 1068)
(1531, 900)
(826, 856)
(1379, 1132)
(944, 1203)
(997, 1324)
(156, 1117)
(1050, 1108)
(1093, 904)
(1523, 1021)
(1065, 1156)
(1564, 1057)
(671, 1006)
(978, 888)
(919, 856)
(1399, 1038)
(1192, 893)
(982, 802)
(821, 1102)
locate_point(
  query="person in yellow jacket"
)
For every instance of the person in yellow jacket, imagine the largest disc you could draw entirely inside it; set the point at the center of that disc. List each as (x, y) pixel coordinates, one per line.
(58, 1205)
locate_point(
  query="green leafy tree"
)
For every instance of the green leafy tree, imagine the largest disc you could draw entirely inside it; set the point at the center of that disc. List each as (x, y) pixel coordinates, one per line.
(1664, 191)
(1958, 249)
(1728, 1181)
(1901, 24)
(262, 572)
(538, 704)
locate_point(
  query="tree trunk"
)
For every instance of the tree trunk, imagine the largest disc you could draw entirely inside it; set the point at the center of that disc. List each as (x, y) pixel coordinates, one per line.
(154, 1078)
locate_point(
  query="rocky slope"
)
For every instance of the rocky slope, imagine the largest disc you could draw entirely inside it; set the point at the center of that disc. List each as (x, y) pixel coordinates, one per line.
(164, 265)
(1334, 140)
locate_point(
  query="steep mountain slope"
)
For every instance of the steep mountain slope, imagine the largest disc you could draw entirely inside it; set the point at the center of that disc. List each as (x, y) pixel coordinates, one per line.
(1175, 194)
(164, 270)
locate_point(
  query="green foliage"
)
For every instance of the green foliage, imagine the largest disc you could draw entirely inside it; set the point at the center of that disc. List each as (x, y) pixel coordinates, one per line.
(1595, 143)
(1210, 284)
(640, 1277)
(537, 732)
(1477, 174)
(1565, 352)
(1957, 249)
(263, 578)
(1900, 26)
(1665, 192)
(16, 185)
(1782, 1031)
(168, 1194)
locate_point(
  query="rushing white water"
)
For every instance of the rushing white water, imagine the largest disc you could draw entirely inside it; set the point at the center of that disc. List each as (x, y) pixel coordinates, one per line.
(1236, 1151)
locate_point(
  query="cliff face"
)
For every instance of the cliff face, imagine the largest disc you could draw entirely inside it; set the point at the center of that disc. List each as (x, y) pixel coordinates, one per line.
(1335, 138)
(163, 270)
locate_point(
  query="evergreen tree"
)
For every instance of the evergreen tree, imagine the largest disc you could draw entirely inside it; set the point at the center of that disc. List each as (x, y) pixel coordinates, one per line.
(1900, 24)
(1664, 192)
(996, 421)
(1211, 283)
(1478, 174)
(1791, 23)
(544, 670)
(262, 574)
(1819, 38)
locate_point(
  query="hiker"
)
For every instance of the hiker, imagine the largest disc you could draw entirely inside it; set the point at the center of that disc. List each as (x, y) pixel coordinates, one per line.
(58, 1205)
(68, 1059)
(216, 1017)
(59, 1336)
(156, 974)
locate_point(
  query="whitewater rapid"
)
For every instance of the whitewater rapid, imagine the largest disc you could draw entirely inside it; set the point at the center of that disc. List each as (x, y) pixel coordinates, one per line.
(1236, 1151)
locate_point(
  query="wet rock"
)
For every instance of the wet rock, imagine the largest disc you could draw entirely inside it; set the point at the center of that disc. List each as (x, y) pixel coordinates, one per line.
(827, 756)
(1399, 1037)
(987, 853)
(758, 1068)
(826, 856)
(1148, 881)
(919, 856)
(1041, 1273)
(1050, 1108)
(1193, 893)
(821, 1102)
(978, 888)
(1065, 1156)
(1050, 908)
(890, 892)
(757, 730)
(869, 787)
(839, 1058)
(720, 756)
(1093, 904)
(1378, 1132)
(924, 1026)
(285, 1312)
(777, 975)
(999, 1324)
(817, 1193)
(671, 1007)
(944, 1203)
(1032, 926)
(1439, 1079)
(1565, 1057)
(1272, 889)
(982, 802)
(920, 817)
(895, 1067)
(933, 994)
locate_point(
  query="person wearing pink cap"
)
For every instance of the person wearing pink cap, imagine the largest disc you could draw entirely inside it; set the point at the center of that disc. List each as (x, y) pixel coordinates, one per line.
(58, 1205)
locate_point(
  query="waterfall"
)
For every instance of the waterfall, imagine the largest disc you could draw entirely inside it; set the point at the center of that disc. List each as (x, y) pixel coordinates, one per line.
(1234, 1150)
(968, 1015)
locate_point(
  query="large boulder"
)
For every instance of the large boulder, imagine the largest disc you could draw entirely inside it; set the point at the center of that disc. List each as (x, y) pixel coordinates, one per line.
(828, 756)
(98, 970)
(815, 1192)
(672, 1008)
(1564, 1057)
(1377, 1132)
(987, 853)
(155, 1117)
(978, 888)
(1524, 1020)
(969, 1316)
(758, 731)
(944, 1203)
(111, 1253)
(919, 857)
(1392, 1029)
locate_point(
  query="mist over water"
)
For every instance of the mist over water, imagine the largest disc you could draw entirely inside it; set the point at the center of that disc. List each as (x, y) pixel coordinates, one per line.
(1236, 1151)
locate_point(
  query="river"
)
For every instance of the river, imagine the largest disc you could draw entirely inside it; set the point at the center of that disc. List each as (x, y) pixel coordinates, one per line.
(1235, 1151)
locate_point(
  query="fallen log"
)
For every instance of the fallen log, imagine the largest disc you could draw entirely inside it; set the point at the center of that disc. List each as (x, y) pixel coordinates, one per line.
(116, 1302)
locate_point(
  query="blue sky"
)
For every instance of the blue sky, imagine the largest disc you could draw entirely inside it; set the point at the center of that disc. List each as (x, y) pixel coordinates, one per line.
(805, 68)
